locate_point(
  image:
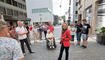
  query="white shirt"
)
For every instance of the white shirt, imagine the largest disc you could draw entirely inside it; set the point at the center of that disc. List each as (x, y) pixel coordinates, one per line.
(21, 29)
(49, 35)
(34, 30)
(72, 30)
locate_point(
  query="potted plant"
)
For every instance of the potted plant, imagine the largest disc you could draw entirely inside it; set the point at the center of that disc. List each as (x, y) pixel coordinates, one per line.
(101, 35)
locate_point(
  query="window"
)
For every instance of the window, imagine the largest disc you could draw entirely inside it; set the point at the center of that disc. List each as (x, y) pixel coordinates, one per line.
(2, 10)
(19, 5)
(24, 0)
(14, 3)
(24, 7)
(2, 0)
(10, 12)
(89, 15)
(101, 8)
(25, 14)
(76, 12)
(20, 14)
(42, 10)
(103, 1)
(76, 3)
(9, 1)
(15, 13)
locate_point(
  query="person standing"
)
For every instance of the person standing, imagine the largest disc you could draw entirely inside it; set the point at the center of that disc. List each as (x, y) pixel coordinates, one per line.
(13, 33)
(22, 31)
(45, 30)
(86, 32)
(50, 27)
(31, 32)
(73, 30)
(65, 41)
(9, 48)
(28, 34)
(40, 31)
(79, 32)
(35, 33)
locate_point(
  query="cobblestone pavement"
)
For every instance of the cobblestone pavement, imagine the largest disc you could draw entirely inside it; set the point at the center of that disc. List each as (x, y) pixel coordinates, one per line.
(93, 52)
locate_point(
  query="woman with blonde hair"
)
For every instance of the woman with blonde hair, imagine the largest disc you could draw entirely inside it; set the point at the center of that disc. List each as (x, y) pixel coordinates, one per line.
(35, 33)
(65, 41)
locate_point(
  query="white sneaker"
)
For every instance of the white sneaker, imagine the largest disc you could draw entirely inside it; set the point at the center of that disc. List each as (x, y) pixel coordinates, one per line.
(24, 54)
(53, 47)
(50, 46)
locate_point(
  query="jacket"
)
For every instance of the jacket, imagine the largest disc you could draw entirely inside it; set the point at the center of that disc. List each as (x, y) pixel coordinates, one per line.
(67, 38)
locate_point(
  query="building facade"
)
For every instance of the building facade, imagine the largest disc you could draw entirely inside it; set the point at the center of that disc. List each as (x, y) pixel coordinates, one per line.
(55, 20)
(72, 14)
(88, 9)
(13, 10)
(101, 15)
(74, 11)
(40, 11)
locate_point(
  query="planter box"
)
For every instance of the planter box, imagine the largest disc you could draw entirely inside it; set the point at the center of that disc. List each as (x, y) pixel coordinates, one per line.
(103, 40)
(100, 39)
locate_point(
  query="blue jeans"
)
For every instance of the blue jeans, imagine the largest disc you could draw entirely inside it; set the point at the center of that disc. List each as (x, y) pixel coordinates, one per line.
(78, 36)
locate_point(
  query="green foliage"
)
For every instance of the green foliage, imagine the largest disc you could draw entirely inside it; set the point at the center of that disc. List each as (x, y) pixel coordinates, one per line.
(101, 31)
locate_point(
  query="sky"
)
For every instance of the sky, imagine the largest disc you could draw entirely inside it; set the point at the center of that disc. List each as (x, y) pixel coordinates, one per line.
(60, 11)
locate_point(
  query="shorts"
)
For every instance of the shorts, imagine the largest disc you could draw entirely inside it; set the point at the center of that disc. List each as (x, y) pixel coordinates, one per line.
(84, 36)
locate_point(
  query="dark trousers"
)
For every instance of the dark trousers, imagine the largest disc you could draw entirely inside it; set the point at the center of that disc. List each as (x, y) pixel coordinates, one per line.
(45, 32)
(27, 44)
(72, 38)
(66, 51)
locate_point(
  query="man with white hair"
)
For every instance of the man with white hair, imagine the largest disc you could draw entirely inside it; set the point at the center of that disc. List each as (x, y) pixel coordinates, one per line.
(9, 48)
(22, 31)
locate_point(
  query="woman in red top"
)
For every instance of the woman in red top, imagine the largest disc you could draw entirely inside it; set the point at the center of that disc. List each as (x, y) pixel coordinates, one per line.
(30, 28)
(65, 41)
(13, 33)
(50, 27)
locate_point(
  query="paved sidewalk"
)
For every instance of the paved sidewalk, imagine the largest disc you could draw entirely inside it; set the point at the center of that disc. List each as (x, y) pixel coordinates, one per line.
(93, 52)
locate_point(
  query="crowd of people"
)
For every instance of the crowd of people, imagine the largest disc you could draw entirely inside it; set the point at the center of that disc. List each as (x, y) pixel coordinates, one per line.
(34, 32)
(11, 36)
(68, 34)
(37, 30)
(80, 30)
